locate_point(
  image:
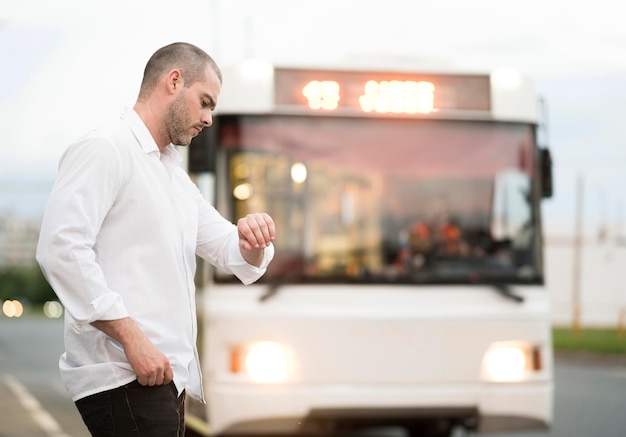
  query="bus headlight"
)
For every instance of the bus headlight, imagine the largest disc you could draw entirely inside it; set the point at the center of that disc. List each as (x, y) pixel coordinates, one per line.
(510, 361)
(264, 361)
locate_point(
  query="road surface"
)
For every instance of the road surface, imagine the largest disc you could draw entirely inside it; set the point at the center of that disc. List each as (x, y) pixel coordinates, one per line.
(590, 393)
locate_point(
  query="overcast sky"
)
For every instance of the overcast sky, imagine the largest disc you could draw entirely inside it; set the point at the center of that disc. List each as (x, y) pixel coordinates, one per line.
(69, 65)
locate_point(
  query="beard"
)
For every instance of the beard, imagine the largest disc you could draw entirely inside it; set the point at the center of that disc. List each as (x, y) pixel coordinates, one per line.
(177, 123)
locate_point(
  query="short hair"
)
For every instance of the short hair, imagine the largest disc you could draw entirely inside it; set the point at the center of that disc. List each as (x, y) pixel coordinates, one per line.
(191, 60)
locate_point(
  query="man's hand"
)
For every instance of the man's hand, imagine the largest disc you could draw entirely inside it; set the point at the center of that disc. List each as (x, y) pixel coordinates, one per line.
(256, 231)
(150, 364)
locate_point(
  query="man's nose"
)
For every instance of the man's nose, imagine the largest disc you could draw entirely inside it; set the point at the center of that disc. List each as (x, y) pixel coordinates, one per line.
(207, 119)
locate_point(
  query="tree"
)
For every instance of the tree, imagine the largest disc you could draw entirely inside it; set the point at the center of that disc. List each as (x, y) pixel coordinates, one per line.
(25, 283)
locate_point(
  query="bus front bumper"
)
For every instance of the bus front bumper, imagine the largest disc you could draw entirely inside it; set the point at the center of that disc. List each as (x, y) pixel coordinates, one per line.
(288, 411)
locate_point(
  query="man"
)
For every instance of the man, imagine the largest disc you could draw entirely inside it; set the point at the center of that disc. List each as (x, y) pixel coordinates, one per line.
(118, 243)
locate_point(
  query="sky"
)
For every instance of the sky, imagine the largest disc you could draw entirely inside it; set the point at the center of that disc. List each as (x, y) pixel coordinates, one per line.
(70, 65)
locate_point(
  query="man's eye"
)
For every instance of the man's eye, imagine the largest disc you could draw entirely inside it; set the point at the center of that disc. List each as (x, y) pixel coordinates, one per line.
(205, 104)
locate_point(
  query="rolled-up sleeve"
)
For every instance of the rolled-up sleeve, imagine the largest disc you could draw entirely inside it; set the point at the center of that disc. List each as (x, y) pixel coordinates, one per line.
(87, 183)
(238, 266)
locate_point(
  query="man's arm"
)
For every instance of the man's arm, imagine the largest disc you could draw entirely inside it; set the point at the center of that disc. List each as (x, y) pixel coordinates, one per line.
(150, 364)
(230, 247)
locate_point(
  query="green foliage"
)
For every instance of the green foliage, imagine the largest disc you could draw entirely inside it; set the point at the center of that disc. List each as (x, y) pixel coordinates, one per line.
(606, 341)
(24, 283)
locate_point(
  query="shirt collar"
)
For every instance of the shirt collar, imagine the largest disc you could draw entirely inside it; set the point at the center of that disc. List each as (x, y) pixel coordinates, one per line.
(171, 155)
(141, 132)
(144, 137)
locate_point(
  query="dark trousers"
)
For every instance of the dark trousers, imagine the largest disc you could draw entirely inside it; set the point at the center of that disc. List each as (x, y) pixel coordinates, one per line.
(134, 410)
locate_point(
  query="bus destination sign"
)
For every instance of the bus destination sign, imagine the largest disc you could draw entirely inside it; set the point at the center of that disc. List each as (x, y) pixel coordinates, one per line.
(381, 93)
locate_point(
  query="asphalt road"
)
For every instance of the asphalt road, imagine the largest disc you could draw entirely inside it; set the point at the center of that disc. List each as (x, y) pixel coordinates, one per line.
(33, 401)
(590, 392)
(590, 398)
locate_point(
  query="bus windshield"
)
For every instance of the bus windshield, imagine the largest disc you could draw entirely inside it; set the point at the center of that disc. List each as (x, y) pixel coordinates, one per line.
(387, 200)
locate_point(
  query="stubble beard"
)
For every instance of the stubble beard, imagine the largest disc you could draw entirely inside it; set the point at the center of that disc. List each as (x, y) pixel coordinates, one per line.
(177, 123)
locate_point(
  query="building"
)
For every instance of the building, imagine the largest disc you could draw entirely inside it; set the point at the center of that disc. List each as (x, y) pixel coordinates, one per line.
(18, 240)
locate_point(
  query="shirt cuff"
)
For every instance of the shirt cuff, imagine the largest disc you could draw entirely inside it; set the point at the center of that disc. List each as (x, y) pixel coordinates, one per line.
(247, 273)
(107, 307)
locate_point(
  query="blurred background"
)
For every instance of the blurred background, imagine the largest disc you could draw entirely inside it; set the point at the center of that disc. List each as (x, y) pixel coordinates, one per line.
(70, 65)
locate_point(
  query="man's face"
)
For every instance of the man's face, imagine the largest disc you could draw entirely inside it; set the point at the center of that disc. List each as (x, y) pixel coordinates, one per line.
(191, 109)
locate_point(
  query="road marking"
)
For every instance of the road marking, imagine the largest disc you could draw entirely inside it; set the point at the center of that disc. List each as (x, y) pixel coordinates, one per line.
(44, 419)
(198, 425)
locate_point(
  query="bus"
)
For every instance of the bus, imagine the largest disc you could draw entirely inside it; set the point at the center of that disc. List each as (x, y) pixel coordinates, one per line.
(407, 290)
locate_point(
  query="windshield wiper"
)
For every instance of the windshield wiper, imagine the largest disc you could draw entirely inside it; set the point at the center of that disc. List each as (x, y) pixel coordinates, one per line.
(272, 290)
(286, 271)
(506, 291)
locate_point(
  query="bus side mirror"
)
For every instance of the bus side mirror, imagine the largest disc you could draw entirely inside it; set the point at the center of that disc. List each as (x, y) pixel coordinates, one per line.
(545, 162)
(202, 151)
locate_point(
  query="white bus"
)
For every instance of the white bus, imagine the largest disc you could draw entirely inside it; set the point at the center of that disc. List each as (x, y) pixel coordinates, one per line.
(407, 290)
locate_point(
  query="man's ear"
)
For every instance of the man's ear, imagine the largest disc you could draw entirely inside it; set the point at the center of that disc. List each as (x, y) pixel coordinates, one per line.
(174, 80)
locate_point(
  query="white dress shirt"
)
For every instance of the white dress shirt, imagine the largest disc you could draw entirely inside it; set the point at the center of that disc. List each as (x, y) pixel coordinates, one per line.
(119, 237)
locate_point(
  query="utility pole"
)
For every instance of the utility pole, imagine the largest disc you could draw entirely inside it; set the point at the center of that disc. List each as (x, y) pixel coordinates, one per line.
(577, 256)
(618, 241)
